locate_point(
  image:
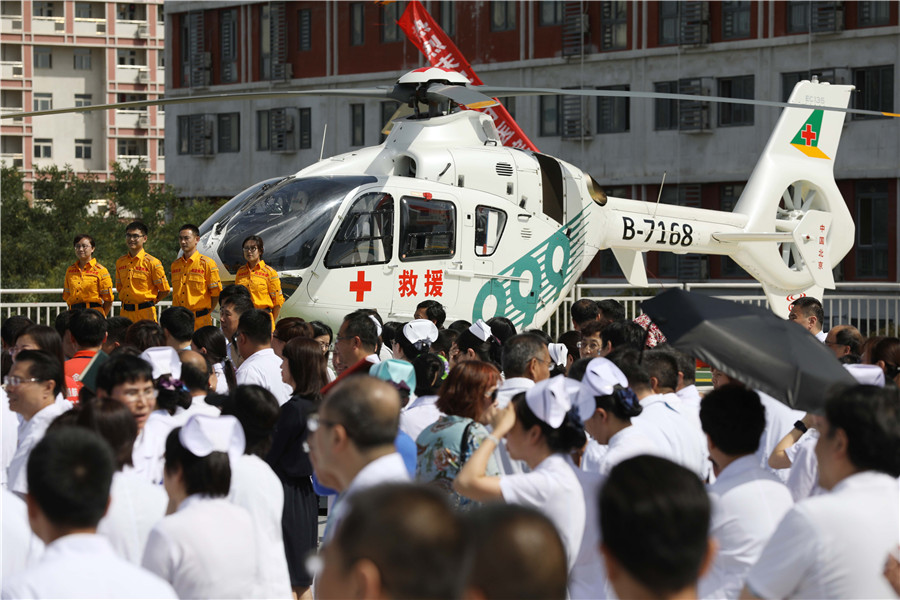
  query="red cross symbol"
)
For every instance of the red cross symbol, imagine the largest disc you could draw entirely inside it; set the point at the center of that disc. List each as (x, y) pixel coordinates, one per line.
(360, 286)
(808, 135)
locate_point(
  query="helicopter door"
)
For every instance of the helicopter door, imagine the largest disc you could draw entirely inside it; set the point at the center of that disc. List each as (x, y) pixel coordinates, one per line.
(427, 249)
(552, 186)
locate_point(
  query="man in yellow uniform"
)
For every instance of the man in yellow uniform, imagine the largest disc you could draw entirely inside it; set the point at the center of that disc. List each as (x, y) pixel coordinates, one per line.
(140, 278)
(87, 284)
(195, 278)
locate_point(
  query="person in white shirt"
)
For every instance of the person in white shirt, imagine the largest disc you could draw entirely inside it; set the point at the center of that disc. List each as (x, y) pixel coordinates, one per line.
(234, 301)
(69, 477)
(19, 547)
(200, 378)
(207, 548)
(654, 380)
(211, 343)
(356, 340)
(686, 390)
(423, 411)
(351, 440)
(654, 522)
(835, 545)
(610, 406)
(32, 385)
(416, 337)
(748, 501)
(256, 487)
(261, 365)
(809, 314)
(542, 427)
(177, 323)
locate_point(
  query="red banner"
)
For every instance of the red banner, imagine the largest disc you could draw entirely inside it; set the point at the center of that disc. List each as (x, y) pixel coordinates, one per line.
(440, 51)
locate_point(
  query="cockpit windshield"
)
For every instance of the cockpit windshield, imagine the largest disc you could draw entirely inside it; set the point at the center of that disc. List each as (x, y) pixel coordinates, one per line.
(291, 217)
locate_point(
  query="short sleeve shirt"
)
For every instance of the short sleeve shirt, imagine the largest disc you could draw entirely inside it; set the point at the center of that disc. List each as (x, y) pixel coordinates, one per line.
(263, 283)
(195, 281)
(91, 284)
(140, 278)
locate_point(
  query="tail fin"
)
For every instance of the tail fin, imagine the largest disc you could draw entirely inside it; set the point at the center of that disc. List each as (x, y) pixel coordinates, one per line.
(792, 191)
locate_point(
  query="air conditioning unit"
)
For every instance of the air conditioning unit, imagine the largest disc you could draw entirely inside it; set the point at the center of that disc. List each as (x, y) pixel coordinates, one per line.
(18, 71)
(143, 122)
(143, 76)
(288, 123)
(143, 30)
(208, 128)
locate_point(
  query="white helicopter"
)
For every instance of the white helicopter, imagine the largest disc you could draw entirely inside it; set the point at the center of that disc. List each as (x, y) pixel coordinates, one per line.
(442, 210)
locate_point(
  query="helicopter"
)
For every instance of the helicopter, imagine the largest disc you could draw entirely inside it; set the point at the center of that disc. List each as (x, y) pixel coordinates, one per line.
(441, 210)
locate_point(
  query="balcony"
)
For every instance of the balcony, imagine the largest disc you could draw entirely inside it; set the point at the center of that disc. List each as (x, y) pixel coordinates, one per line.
(12, 69)
(84, 26)
(133, 29)
(132, 74)
(8, 110)
(13, 160)
(48, 25)
(129, 160)
(136, 118)
(11, 23)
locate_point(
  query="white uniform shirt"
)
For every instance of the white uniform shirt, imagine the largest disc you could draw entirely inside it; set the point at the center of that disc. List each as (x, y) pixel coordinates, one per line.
(263, 368)
(135, 507)
(821, 336)
(747, 503)
(150, 445)
(833, 545)
(30, 433)
(803, 481)
(221, 381)
(690, 404)
(9, 434)
(207, 549)
(587, 578)
(84, 565)
(256, 487)
(625, 444)
(510, 387)
(199, 407)
(594, 453)
(20, 547)
(674, 435)
(418, 415)
(554, 489)
(780, 419)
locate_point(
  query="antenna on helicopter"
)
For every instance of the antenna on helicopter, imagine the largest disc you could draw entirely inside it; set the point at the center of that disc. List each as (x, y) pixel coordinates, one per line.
(659, 196)
(322, 151)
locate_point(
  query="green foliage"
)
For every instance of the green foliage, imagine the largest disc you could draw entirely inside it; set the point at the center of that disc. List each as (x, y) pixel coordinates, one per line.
(36, 240)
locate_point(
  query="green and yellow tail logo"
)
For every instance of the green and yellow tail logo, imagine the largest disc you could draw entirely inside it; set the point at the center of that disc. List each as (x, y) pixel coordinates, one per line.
(807, 139)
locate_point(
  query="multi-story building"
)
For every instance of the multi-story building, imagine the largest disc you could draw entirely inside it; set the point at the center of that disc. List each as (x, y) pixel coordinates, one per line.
(57, 54)
(753, 49)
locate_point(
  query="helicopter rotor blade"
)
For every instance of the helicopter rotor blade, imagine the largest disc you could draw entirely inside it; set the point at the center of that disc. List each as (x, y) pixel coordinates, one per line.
(468, 97)
(497, 91)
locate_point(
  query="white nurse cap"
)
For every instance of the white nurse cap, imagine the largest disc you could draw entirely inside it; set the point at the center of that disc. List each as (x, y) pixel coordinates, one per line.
(602, 376)
(549, 400)
(204, 434)
(867, 374)
(420, 333)
(377, 325)
(164, 360)
(559, 353)
(481, 330)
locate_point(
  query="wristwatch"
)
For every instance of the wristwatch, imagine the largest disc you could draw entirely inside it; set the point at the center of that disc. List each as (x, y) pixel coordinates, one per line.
(800, 425)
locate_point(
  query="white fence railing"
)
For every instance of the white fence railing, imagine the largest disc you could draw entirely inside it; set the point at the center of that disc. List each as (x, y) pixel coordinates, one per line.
(873, 308)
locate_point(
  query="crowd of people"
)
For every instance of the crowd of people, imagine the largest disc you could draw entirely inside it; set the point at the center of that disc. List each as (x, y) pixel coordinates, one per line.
(180, 459)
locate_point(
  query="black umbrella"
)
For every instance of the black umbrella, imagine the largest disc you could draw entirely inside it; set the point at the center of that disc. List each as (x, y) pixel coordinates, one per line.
(750, 344)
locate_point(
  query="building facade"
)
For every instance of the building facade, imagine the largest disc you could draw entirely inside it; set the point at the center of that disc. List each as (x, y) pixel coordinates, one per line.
(58, 54)
(753, 49)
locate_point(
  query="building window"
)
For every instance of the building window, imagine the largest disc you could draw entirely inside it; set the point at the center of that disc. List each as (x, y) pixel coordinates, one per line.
(304, 17)
(43, 148)
(43, 102)
(669, 23)
(228, 45)
(804, 16)
(735, 20)
(390, 14)
(42, 9)
(427, 229)
(551, 12)
(126, 11)
(503, 15)
(126, 57)
(275, 130)
(194, 135)
(161, 148)
(874, 90)
(82, 10)
(873, 13)
(666, 111)
(366, 234)
(262, 130)
(128, 147)
(612, 112)
(357, 24)
(82, 59)
(549, 116)
(614, 25)
(736, 114)
(448, 17)
(387, 111)
(83, 100)
(798, 16)
(43, 57)
(83, 149)
(872, 236)
(509, 103)
(728, 196)
(305, 128)
(489, 225)
(229, 132)
(357, 124)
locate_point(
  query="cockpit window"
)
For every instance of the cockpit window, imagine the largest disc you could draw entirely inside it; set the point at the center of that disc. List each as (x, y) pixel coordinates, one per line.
(366, 235)
(427, 229)
(292, 217)
(489, 225)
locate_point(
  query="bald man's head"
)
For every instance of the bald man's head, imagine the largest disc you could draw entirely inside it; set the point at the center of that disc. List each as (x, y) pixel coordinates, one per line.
(846, 342)
(367, 407)
(195, 370)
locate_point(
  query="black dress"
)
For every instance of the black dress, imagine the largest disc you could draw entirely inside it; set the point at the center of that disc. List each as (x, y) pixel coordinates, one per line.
(290, 462)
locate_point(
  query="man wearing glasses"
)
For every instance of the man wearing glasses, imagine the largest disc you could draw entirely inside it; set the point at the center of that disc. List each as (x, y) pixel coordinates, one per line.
(140, 278)
(32, 385)
(195, 278)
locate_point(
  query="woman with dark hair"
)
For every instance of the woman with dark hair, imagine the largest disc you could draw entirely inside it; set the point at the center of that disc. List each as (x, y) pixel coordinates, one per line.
(39, 337)
(542, 427)
(468, 401)
(261, 279)
(211, 342)
(207, 547)
(323, 334)
(255, 486)
(287, 329)
(87, 283)
(135, 505)
(478, 342)
(303, 369)
(423, 411)
(414, 339)
(145, 334)
(886, 354)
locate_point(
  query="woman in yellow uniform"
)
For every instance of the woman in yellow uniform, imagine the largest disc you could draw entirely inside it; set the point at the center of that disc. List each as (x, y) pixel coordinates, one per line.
(88, 284)
(261, 279)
